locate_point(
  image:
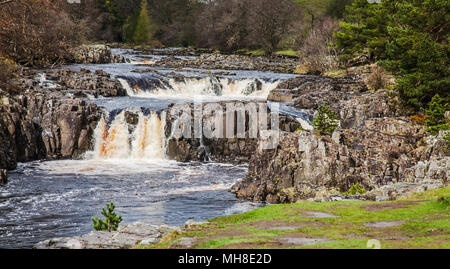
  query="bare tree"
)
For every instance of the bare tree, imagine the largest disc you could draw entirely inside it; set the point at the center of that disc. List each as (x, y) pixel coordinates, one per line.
(36, 32)
(270, 20)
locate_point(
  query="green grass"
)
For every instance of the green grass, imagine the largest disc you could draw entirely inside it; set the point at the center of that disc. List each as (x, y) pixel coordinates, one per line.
(256, 52)
(426, 224)
(288, 52)
(317, 6)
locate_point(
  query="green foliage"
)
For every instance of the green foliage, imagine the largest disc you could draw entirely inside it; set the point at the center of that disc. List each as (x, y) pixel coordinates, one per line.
(354, 190)
(336, 8)
(139, 29)
(326, 121)
(436, 120)
(444, 201)
(406, 40)
(112, 221)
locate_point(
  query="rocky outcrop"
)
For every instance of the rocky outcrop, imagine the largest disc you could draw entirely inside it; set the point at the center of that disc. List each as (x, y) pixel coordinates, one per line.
(226, 149)
(126, 236)
(385, 153)
(95, 54)
(85, 82)
(229, 62)
(346, 96)
(45, 126)
(50, 119)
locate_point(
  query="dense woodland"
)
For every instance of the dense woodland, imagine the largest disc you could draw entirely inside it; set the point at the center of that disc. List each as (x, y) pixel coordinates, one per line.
(407, 38)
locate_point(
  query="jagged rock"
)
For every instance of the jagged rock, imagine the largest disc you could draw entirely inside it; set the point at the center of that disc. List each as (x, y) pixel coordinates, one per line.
(374, 147)
(230, 62)
(95, 54)
(226, 149)
(95, 84)
(46, 123)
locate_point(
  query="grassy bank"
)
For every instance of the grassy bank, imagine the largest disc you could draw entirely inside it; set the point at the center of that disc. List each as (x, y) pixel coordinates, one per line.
(419, 221)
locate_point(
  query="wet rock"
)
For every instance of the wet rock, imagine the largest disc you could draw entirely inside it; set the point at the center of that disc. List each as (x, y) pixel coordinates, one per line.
(45, 123)
(318, 215)
(384, 224)
(96, 84)
(95, 54)
(229, 62)
(126, 236)
(228, 149)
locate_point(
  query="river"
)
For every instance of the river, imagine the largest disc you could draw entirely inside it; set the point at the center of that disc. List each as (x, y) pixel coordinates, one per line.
(47, 199)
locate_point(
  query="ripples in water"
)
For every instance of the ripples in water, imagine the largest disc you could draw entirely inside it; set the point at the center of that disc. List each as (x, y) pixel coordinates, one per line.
(57, 199)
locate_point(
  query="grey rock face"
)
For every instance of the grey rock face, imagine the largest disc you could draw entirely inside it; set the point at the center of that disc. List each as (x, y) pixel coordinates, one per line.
(387, 154)
(126, 236)
(95, 54)
(231, 62)
(225, 149)
(51, 120)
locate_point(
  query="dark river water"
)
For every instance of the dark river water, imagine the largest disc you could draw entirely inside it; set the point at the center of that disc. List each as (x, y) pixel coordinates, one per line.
(57, 199)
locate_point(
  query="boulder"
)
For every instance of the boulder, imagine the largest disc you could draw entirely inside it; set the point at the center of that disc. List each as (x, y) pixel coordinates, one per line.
(95, 54)
(127, 236)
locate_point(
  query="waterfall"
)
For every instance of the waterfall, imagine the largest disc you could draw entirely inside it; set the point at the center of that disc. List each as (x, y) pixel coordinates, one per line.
(124, 139)
(207, 86)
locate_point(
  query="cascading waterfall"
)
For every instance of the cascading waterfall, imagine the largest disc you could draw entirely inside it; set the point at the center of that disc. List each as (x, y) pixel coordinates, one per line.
(122, 140)
(207, 86)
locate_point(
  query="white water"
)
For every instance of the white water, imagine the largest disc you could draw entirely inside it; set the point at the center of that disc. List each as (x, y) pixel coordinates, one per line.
(210, 87)
(114, 141)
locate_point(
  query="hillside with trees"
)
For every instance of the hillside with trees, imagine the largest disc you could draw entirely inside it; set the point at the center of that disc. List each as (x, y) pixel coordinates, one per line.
(401, 37)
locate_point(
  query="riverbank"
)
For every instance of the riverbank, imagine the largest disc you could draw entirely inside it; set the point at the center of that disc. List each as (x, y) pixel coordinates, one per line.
(421, 220)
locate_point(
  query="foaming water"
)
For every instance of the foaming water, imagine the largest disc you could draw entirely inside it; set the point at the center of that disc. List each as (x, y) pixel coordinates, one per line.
(57, 199)
(117, 140)
(210, 87)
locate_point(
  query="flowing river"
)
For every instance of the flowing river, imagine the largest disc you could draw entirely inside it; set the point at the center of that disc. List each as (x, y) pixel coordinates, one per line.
(44, 200)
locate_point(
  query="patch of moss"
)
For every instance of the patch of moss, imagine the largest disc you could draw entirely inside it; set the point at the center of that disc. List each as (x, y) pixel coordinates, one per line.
(289, 52)
(355, 189)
